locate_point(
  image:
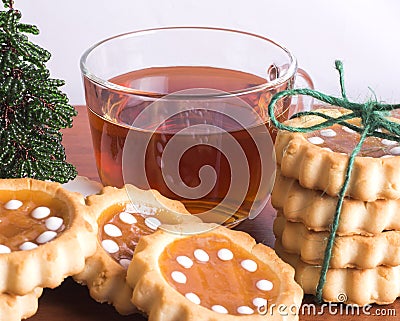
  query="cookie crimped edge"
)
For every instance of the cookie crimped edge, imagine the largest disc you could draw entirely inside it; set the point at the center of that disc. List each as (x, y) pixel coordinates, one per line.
(380, 285)
(353, 251)
(315, 209)
(16, 308)
(317, 168)
(161, 302)
(49, 264)
(104, 277)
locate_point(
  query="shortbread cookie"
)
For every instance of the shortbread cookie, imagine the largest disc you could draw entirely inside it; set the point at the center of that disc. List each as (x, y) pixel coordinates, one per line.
(380, 285)
(318, 160)
(315, 209)
(15, 308)
(217, 275)
(122, 221)
(363, 252)
(45, 235)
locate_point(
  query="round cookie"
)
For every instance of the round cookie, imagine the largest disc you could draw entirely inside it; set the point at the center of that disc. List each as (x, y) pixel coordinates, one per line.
(315, 209)
(379, 285)
(351, 251)
(46, 234)
(217, 275)
(123, 218)
(318, 160)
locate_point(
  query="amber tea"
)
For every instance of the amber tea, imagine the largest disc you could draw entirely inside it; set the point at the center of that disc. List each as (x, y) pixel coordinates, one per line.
(110, 129)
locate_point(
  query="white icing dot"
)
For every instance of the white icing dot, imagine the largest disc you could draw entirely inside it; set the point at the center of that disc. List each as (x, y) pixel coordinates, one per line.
(219, 309)
(4, 249)
(28, 246)
(112, 230)
(388, 142)
(13, 205)
(131, 208)
(225, 255)
(387, 156)
(124, 263)
(264, 285)
(178, 277)
(152, 223)
(110, 246)
(260, 302)
(244, 309)
(184, 261)
(46, 237)
(127, 218)
(395, 150)
(315, 140)
(40, 212)
(193, 297)
(327, 149)
(328, 132)
(348, 130)
(54, 223)
(201, 255)
(249, 265)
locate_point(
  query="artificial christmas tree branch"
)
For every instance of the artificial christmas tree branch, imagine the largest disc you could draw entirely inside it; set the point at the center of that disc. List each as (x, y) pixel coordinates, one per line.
(32, 107)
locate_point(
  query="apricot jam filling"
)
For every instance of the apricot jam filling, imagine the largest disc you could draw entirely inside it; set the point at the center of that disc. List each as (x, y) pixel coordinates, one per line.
(342, 139)
(121, 227)
(215, 273)
(29, 219)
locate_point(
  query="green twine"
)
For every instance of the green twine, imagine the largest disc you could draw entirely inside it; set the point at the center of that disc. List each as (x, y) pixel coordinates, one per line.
(373, 117)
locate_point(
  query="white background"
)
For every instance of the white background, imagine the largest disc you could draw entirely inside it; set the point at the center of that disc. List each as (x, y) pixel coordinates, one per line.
(365, 34)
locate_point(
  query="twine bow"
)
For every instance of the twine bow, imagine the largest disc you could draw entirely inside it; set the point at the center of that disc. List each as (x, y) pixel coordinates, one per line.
(374, 119)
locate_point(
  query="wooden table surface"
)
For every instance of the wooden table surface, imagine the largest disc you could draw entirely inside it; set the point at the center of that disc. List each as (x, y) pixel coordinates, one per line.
(71, 301)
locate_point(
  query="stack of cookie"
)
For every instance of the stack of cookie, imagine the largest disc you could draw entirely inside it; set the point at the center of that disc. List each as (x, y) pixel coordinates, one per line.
(365, 264)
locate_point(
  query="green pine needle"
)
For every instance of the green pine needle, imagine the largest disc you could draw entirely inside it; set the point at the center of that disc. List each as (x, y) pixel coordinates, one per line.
(8, 3)
(32, 107)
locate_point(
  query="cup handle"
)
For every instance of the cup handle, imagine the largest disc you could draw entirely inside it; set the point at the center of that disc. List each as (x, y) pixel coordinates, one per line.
(301, 103)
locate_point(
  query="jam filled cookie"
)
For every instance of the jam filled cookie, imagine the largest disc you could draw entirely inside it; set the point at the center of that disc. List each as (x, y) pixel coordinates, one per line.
(379, 285)
(217, 275)
(45, 235)
(124, 216)
(318, 160)
(315, 209)
(16, 308)
(359, 251)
